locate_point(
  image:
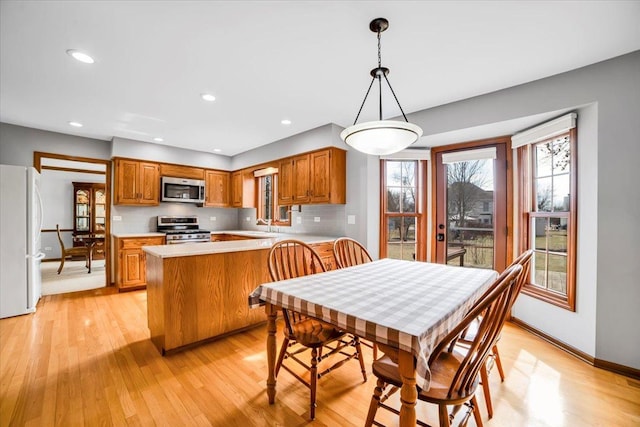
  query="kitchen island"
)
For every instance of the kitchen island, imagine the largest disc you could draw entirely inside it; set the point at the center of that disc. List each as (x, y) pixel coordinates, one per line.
(199, 291)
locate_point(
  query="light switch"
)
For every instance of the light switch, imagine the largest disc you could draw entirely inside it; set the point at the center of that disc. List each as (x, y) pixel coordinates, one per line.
(351, 219)
(248, 219)
(212, 218)
(299, 220)
(117, 218)
(316, 219)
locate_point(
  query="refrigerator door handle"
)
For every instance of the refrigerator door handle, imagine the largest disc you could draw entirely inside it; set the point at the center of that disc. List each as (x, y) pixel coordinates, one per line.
(40, 213)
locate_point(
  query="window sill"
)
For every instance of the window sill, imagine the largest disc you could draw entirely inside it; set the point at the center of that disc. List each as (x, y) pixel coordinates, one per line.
(550, 297)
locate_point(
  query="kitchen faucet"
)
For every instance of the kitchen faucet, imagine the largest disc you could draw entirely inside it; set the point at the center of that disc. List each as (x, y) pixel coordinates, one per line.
(267, 222)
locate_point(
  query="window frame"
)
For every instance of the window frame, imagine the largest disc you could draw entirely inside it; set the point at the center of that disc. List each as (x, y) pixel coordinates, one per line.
(528, 201)
(275, 208)
(420, 209)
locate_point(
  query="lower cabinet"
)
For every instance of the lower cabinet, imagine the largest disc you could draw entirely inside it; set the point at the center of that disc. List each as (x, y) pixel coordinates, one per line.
(130, 261)
(325, 250)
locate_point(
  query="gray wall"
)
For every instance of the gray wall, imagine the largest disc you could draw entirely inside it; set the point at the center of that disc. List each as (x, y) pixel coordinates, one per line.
(18, 143)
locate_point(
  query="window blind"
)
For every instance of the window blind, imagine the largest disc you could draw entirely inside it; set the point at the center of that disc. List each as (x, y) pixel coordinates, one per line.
(544, 131)
(469, 155)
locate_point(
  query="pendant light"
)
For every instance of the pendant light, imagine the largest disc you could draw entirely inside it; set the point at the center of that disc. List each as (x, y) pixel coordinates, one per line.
(380, 137)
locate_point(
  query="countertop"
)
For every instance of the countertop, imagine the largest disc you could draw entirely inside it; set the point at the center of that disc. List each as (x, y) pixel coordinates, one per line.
(259, 240)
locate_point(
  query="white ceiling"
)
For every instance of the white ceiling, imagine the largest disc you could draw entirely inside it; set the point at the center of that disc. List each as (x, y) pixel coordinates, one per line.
(307, 61)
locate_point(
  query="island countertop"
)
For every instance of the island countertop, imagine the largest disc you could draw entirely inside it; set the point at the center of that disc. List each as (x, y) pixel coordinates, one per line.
(255, 240)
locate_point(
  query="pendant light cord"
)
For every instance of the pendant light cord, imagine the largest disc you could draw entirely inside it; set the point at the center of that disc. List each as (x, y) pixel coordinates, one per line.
(380, 87)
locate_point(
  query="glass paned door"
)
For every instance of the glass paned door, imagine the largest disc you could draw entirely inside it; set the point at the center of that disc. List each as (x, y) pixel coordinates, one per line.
(470, 217)
(471, 207)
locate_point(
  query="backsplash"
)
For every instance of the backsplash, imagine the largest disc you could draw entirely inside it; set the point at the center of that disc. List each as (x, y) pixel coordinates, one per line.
(332, 220)
(136, 219)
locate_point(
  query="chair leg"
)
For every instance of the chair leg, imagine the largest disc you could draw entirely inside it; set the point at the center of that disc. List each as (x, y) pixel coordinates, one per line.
(476, 412)
(314, 382)
(484, 380)
(375, 402)
(61, 264)
(283, 352)
(498, 362)
(360, 357)
(444, 416)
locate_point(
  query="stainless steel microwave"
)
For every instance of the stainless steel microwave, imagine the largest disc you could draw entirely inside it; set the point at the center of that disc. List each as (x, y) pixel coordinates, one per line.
(182, 190)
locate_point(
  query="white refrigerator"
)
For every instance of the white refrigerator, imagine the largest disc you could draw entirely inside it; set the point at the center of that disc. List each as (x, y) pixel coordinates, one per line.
(20, 225)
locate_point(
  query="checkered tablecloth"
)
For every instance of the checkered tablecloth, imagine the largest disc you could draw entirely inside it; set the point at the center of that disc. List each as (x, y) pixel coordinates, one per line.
(407, 305)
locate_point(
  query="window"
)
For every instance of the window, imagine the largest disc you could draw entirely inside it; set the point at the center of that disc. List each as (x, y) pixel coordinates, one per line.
(548, 200)
(268, 208)
(402, 213)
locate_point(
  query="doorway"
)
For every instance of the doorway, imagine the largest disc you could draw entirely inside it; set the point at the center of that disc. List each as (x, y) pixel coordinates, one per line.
(58, 173)
(472, 204)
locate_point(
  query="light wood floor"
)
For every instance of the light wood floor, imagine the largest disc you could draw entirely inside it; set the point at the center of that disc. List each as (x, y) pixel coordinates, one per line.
(85, 359)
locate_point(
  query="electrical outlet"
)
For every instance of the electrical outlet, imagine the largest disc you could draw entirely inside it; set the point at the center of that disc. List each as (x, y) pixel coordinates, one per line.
(47, 248)
(117, 218)
(248, 219)
(316, 219)
(351, 219)
(212, 218)
(299, 220)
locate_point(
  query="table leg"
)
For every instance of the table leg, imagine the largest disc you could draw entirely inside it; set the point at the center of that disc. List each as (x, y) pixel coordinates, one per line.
(271, 351)
(408, 392)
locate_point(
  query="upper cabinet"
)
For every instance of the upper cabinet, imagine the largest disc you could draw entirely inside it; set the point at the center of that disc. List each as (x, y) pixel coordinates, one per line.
(179, 171)
(316, 177)
(243, 189)
(216, 184)
(136, 183)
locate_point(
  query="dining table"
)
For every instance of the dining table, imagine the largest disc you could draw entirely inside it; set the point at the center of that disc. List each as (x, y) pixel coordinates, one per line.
(404, 306)
(90, 240)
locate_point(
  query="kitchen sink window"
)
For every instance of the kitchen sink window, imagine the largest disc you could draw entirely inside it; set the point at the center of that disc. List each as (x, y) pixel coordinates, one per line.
(268, 209)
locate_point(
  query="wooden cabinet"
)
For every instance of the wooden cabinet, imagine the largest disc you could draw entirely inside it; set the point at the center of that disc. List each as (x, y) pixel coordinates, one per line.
(136, 183)
(243, 189)
(179, 171)
(325, 250)
(130, 261)
(89, 212)
(293, 177)
(328, 170)
(316, 177)
(236, 189)
(216, 184)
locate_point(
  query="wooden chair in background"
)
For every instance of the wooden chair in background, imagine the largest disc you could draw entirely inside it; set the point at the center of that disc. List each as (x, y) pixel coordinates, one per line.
(82, 251)
(289, 259)
(349, 252)
(454, 376)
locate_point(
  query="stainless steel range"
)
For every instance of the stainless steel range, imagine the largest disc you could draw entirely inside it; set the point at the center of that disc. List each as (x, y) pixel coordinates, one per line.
(182, 229)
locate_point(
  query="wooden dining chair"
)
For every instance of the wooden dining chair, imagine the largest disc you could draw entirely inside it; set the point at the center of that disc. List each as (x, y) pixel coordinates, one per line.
(289, 259)
(82, 251)
(467, 336)
(454, 376)
(349, 252)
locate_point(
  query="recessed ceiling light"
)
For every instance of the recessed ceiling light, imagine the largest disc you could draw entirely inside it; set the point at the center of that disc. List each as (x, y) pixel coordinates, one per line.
(217, 150)
(208, 97)
(286, 122)
(80, 56)
(75, 124)
(158, 139)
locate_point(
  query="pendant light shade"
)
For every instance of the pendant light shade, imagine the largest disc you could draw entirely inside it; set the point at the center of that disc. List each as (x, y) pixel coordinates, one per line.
(380, 137)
